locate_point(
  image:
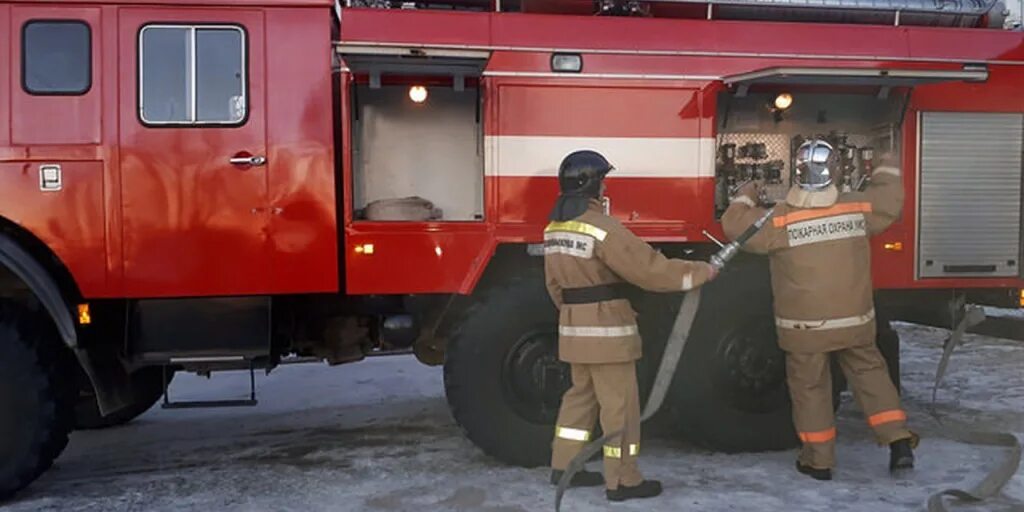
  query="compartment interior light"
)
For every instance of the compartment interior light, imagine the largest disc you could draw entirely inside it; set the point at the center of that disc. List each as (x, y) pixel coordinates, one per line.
(783, 101)
(418, 93)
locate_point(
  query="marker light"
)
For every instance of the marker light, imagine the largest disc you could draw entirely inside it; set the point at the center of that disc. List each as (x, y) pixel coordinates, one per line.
(894, 246)
(418, 93)
(566, 63)
(84, 315)
(364, 249)
(784, 101)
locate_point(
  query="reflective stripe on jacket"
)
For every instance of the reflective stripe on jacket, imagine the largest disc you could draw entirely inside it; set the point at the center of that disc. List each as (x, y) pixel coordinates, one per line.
(821, 259)
(595, 249)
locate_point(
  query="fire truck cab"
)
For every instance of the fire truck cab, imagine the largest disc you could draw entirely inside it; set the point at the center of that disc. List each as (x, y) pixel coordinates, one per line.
(205, 186)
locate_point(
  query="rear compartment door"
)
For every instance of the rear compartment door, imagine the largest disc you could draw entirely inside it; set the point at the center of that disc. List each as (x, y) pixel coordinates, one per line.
(193, 147)
(970, 194)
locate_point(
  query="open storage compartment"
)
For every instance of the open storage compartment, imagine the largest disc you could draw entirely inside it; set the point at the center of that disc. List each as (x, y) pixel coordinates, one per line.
(758, 141)
(765, 115)
(417, 138)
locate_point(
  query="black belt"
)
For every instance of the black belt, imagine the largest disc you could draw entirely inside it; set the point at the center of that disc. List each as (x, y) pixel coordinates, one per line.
(592, 294)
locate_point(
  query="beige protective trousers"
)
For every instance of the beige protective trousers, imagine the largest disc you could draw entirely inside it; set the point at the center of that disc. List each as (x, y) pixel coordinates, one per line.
(810, 386)
(611, 391)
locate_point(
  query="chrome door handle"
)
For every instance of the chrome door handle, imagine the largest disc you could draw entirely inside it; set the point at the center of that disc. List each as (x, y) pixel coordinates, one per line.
(248, 160)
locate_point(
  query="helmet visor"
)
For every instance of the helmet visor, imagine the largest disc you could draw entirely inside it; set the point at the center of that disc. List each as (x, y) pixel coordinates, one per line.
(813, 160)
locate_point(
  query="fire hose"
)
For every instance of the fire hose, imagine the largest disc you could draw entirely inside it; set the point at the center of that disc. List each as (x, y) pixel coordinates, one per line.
(990, 486)
(1002, 473)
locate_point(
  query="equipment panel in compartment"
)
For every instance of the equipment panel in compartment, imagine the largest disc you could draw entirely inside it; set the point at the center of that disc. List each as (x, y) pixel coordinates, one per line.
(758, 135)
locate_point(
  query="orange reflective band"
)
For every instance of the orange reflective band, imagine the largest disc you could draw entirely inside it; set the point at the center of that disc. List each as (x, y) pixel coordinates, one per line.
(886, 417)
(817, 213)
(822, 436)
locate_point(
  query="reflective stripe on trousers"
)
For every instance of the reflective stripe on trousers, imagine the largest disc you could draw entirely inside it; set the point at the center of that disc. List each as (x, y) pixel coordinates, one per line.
(618, 331)
(615, 452)
(821, 436)
(884, 417)
(572, 434)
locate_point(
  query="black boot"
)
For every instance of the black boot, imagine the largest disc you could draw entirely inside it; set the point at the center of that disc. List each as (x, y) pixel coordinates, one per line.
(901, 453)
(582, 479)
(813, 472)
(645, 489)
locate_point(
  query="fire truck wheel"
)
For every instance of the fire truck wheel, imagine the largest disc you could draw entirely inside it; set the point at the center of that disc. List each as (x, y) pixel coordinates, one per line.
(730, 391)
(36, 398)
(502, 375)
(147, 388)
(889, 345)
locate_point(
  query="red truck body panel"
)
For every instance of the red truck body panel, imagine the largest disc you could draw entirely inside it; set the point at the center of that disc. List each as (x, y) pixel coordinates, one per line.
(655, 80)
(159, 212)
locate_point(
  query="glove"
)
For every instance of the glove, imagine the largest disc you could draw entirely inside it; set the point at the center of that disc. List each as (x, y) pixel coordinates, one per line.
(711, 270)
(752, 190)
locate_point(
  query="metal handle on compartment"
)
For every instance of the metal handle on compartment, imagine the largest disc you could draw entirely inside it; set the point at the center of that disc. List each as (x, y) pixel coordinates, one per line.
(248, 160)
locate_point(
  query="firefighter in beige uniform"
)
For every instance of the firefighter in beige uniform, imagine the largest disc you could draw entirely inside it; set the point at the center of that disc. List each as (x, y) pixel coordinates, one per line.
(589, 258)
(821, 280)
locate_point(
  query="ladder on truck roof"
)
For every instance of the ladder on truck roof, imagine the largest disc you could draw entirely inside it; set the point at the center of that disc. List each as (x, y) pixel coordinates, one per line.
(944, 13)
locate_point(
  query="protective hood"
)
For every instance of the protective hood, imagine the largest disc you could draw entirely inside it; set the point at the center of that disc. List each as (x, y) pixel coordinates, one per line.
(569, 206)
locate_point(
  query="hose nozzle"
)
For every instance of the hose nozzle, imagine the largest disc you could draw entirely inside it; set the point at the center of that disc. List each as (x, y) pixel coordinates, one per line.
(729, 251)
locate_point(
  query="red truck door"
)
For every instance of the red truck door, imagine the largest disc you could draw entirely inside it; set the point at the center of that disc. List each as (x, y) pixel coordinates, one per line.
(192, 152)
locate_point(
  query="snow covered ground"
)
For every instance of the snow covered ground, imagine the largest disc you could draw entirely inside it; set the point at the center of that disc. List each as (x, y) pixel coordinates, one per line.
(377, 436)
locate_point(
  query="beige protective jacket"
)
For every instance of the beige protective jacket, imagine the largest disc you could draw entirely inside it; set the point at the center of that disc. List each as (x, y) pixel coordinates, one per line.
(821, 259)
(595, 249)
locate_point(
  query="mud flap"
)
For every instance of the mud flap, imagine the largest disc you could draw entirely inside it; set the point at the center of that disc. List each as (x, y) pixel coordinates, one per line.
(109, 379)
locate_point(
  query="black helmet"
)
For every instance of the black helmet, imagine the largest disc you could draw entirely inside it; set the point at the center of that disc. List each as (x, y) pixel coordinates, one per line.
(581, 173)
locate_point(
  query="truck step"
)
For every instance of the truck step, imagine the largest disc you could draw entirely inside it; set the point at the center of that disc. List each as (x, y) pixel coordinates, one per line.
(209, 404)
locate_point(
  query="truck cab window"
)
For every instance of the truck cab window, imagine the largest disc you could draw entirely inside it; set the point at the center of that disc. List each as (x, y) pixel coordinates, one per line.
(56, 57)
(192, 75)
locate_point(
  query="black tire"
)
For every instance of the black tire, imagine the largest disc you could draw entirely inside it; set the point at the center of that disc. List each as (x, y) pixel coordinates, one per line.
(147, 389)
(502, 376)
(888, 341)
(730, 390)
(37, 393)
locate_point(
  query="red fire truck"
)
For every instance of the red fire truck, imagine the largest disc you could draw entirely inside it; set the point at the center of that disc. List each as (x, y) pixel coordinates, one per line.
(219, 185)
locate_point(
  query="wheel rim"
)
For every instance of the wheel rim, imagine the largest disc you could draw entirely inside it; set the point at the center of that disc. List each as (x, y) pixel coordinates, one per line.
(533, 378)
(752, 368)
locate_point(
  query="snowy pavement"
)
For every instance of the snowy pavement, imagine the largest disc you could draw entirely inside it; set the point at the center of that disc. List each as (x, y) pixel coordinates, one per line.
(377, 436)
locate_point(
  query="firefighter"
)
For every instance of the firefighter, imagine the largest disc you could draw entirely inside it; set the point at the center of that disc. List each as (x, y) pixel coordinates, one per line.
(589, 257)
(820, 257)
